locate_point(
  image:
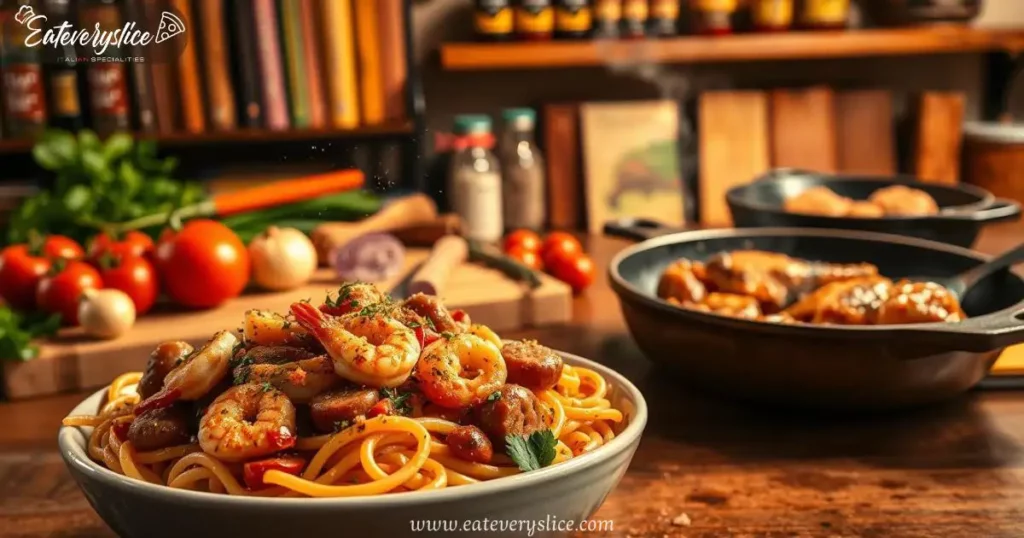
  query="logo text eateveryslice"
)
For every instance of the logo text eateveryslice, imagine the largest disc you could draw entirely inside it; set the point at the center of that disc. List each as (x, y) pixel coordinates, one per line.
(63, 35)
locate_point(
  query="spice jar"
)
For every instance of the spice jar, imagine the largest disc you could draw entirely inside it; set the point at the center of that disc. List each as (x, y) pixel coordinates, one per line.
(474, 179)
(535, 19)
(713, 17)
(607, 17)
(493, 19)
(772, 15)
(634, 18)
(664, 17)
(573, 19)
(824, 14)
(522, 171)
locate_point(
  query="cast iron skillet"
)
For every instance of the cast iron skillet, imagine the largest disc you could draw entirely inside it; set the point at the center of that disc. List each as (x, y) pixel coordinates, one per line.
(965, 209)
(842, 367)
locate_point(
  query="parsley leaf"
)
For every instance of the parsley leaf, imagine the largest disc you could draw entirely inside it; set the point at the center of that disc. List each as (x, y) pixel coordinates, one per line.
(399, 400)
(266, 386)
(533, 452)
(342, 425)
(494, 396)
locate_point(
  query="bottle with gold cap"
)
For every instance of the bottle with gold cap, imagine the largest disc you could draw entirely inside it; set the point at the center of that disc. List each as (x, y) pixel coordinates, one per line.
(493, 19)
(535, 19)
(573, 19)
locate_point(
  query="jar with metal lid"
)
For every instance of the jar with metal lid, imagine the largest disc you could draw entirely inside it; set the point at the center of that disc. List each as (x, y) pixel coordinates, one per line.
(824, 14)
(523, 173)
(713, 17)
(535, 19)
(607, 17)
(493, 19)
(772, 15)
(474, 180)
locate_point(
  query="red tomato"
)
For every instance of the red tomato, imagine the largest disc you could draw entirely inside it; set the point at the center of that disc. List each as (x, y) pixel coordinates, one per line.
(59, 246)
(253, 471)
(559, 246)
(20, 273)
(381, 408)
(133, 243)
(133, 275)
(529, 258)
(577, 272)
(526, 239)
(60, 292)
(203, 265)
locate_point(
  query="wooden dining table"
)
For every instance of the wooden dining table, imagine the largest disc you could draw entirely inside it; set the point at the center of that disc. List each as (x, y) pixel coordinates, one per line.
(706, 467)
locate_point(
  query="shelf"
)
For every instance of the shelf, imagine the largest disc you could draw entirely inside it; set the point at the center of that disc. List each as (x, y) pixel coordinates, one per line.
(247, 136)
(737, 48)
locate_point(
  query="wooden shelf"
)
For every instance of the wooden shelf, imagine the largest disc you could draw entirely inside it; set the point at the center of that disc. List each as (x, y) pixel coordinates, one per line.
(741, 47)
(246, 136)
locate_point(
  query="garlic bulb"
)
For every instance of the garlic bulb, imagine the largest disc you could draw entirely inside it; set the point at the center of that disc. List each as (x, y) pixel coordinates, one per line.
(282, 259)
(106, 313)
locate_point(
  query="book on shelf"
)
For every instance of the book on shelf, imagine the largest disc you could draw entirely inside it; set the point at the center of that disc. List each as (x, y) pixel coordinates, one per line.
(338, 36)
(141, 80)
(246, 63)
(220, 94)
(392, 51)
(163, 75)
(313, 64)
(275, 100)
(367, 15)
(295, 62)
(188, 73)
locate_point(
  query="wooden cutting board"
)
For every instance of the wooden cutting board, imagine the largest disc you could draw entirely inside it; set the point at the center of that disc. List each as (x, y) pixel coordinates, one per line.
(803, 129)
(73, 362)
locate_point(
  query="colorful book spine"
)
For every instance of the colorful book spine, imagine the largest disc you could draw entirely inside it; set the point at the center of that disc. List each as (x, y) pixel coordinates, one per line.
(295, 62)
(275, 100)
(368, 49)
(394, 72)
(142, 81)
(246, 63)
(188, 73)
(340, 61)
(314, 66)
(220, 95)
(164, 78)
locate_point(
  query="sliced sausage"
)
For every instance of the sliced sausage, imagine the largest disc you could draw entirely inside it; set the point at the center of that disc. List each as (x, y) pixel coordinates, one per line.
(531, 365)
(514, 410)
(471, 444)
(431, 309)
(341, 405)
(162, 360)
(276, 354)
(160, 428)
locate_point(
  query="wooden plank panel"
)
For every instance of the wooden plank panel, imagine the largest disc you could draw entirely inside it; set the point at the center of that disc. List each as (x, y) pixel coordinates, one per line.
(733, 140)
(938, 136)
(803, 129)
(562, 150)
(865, 138)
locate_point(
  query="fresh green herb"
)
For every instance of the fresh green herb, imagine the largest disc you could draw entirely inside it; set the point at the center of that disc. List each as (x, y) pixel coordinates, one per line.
(242, 370)
(342, 425)
(266, 386)
(97, 183)
(496, 395)
(399, 400)
(430, 323)
(447, 335)
(354, 304)
(413, 325)
(533, 452)
(17, 332)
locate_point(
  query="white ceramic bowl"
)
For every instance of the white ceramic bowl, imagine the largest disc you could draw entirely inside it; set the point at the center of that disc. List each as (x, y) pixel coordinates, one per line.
(569, 491)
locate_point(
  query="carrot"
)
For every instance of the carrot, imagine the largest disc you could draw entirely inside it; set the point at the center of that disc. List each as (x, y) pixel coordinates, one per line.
(284, 192)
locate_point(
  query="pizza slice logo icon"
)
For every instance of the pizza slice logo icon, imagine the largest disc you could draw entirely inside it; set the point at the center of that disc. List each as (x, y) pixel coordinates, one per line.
(170, 26)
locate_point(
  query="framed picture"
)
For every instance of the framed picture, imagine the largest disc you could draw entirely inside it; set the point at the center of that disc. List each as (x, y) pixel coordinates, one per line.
(631, 162)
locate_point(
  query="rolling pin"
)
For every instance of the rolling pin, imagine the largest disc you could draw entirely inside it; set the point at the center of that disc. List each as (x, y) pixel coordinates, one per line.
(428, 233)
(447, 254)
(405, 212)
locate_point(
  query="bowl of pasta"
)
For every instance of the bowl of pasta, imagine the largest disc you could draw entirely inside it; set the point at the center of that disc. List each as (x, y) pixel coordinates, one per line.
(363, 415)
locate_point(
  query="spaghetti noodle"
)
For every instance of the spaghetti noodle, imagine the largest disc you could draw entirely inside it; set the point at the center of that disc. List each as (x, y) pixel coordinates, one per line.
(405, 448)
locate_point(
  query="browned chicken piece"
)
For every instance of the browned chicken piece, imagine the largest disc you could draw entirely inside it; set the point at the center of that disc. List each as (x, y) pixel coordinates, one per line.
(775, 279)
(818, 201)
(919, 302)
(860, 209)
(679, 281)
(851, 302)
(740, 306)
(902, 201)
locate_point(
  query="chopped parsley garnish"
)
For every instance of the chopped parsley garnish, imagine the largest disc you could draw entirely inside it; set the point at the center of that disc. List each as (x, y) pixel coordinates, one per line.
(494, 396)
(342, 425)
(533, 452)
(399, 400)
(413, 325)
(447, 335)
(266, 386)
(430, 322)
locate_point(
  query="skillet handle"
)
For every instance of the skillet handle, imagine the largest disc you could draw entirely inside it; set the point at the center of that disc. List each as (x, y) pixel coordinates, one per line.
(1001, 210)
(973, 334)
(637, 229)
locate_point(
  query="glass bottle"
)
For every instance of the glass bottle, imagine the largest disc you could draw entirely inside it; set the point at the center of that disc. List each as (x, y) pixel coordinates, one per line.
(474, 180)
(607, 17)
(493, 19)
(714, 17)
(634, 18)
(62, 72)
(664, 17)
(824, 14)
(107, 80)
(523, 173)
(535, 20)
(24, 96)
(573, 19)
(772, 15)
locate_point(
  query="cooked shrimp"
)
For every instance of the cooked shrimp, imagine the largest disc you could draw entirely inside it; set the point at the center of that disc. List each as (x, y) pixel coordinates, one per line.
(247, 421)
(197, 375)
(485, 332)
(461, 371)
(372, 350)
(263, 328)
(299, 380)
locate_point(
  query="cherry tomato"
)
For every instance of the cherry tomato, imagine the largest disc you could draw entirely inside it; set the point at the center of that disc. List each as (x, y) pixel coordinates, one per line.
(133, 275)
(20, 273)
(559, 246)
(529, 258)
(203, 265)
(577, 272)
(60, 292)
(526, 239)
(133, 243)
(59, 246)
(253, 471)
(381, 408)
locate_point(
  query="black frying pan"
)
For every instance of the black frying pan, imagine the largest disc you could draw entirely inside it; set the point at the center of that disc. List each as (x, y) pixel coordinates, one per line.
(964, 209)
(813, 365)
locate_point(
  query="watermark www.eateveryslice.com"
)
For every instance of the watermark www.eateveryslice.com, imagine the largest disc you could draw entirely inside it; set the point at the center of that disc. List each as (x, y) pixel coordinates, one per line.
(526, 527)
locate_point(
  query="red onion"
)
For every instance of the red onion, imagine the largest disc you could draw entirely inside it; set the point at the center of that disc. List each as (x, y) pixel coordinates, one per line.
(370, 258)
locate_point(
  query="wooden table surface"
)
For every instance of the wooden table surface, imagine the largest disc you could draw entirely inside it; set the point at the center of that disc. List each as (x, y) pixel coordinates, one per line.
(952, 470)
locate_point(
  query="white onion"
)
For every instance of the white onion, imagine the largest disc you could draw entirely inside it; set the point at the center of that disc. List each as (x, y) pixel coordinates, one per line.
(282, 259)
(106, 313)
